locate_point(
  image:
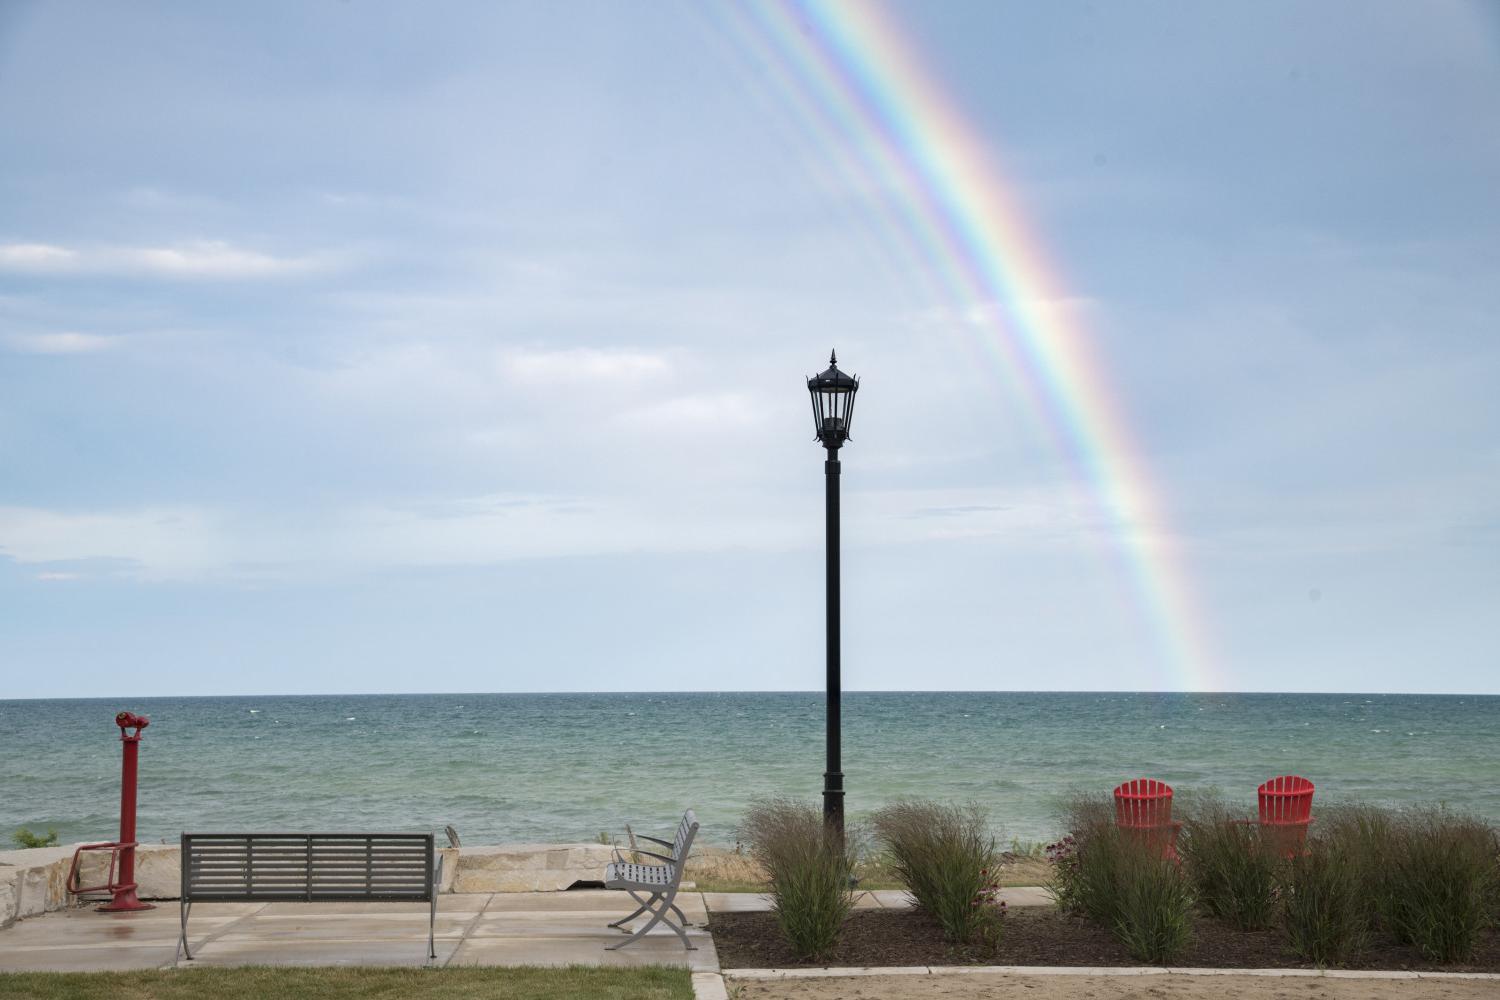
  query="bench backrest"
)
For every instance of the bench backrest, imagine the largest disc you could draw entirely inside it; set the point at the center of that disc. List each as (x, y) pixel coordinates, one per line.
(683, 841)
(1143, 803)
(235, 867)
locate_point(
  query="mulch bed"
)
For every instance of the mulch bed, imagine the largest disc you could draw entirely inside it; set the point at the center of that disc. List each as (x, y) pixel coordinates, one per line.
(1041, 937)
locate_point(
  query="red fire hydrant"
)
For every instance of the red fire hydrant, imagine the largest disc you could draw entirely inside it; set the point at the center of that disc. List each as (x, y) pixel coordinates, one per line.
(121, 882)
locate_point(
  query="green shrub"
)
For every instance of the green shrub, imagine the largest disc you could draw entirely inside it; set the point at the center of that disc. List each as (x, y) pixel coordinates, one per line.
(1366, 835)
(1324, 916)
(1034, 849)
(1441, 878)
(1154, 915)
(1121, 882)
(26, 839)
(1233, 872)
(1098, 884)
(1082, 881)
(946, 858)
(1063, 885)
(809, 870)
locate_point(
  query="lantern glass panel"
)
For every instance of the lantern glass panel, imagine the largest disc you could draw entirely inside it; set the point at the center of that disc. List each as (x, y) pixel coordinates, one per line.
(832, 394)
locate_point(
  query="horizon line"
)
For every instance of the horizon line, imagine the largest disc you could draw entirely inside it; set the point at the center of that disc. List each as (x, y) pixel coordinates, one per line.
(814, 691)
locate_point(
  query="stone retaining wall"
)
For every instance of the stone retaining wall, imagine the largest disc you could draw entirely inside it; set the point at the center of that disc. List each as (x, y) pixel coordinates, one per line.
(34, 881)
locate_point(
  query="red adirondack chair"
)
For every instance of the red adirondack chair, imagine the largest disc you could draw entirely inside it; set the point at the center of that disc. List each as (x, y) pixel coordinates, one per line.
(1144, 807)
(1285, 808)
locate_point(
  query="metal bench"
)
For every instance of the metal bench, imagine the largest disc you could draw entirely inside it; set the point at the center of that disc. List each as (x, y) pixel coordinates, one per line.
(660, 882)
(310, 868)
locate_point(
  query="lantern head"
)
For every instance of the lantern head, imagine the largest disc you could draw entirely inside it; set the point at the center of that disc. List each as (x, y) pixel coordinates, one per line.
(832, 394)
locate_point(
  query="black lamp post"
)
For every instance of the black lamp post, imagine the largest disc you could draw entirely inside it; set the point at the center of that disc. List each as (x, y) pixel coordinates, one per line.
(833, 409)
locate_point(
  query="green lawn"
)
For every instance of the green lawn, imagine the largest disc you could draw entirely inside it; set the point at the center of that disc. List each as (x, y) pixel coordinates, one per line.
(264, 983)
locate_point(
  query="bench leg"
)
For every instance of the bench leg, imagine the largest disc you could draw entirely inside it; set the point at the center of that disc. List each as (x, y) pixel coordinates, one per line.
(184, 906)
(638, 910)
(431, 925)
(658, 916)
(645, 903)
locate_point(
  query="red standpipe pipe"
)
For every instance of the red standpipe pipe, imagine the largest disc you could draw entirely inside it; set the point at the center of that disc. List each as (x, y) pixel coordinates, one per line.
(123, 886)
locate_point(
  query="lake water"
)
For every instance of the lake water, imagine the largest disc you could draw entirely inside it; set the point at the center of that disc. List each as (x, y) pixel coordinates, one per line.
(502, 767)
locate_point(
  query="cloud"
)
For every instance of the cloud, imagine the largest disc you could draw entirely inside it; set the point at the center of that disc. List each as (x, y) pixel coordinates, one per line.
(212, 258)
(36, 257)
(988, 313)
(62, 342)
(697, 414)
(160, 544)
(583, 364)
(193, 543)
(157, 542)
(958, 510)
(191, 259)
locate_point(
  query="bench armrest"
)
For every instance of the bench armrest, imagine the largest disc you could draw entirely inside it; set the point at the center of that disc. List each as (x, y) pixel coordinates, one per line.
(654, 840)
(650, 854)
(621, 859)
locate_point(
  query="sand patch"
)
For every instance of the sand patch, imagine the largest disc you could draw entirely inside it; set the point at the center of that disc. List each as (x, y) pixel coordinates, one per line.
(718, 866)
(988, 986)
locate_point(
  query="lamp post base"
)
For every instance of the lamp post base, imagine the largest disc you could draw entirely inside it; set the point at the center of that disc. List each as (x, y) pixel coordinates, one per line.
(833, 799)
(125, 901)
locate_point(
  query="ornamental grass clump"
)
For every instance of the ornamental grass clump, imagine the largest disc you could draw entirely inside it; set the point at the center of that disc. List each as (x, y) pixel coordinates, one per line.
(1121, 881)
(1323, 913)
(1155, 917)
(945, 855)
(1366, 835)
(1233, 871)
(1441, 878)
(1085, 863)
(808, 869)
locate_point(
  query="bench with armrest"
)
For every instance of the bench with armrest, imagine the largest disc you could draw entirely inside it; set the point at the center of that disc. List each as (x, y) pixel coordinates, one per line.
(310, 868)
(654, 886)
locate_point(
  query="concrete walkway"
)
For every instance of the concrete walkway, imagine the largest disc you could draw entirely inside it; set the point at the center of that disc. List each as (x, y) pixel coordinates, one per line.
(504, 928)
(533, 928)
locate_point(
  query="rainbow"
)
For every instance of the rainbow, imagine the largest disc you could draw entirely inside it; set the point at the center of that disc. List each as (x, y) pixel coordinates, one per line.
(848, 72)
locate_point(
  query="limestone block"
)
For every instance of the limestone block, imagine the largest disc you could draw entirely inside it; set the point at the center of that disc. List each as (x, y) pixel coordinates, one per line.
(35, 881)
(39, 857)
(450, 868)
(41, 878)
(7, 895)
(41, 883)
(158, 870)
(528, 867)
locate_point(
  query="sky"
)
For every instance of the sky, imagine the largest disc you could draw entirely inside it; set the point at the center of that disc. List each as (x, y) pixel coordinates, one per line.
(381, 347)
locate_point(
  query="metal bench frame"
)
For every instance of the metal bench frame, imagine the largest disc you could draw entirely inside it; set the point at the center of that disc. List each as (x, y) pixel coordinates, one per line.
(659, 882)
(310, 868)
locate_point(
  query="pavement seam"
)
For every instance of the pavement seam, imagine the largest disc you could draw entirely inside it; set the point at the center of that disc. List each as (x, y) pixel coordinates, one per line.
(1112, 971)
(468, 931)
(215, 935)
(709, 986)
